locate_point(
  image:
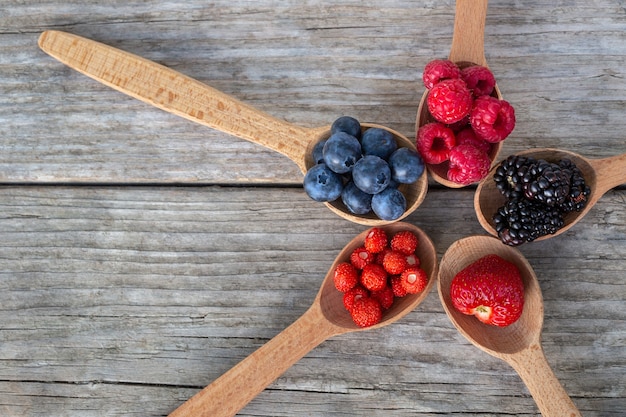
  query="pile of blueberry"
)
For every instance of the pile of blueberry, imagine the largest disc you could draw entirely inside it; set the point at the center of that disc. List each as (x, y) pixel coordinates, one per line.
(363, 167)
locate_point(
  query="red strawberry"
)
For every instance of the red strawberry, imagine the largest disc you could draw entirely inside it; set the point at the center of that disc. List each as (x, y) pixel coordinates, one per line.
(394, 262)
(350, 296)
(414, 280)
(366, 312)
(346, 276)
(374, 277)
(376, 240)
(361, 257)
(380, 257)
(491, 289)
(405, 242)
(396, 286)
(384, 297)
(412, 260)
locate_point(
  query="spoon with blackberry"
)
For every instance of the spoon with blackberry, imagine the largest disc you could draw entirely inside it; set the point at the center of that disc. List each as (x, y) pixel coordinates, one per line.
(541, 193)
(179, 94)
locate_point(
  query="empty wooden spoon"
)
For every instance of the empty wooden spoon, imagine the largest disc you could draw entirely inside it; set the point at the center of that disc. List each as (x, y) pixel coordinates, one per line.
(518, 344)
(468, 48)
(600, 175)
(325, 318)
(176, 93)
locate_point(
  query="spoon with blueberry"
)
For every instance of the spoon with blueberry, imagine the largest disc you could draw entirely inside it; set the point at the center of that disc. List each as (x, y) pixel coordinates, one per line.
(364, 172)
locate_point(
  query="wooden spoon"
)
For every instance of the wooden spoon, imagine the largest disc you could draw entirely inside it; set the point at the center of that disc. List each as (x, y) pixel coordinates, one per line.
(518, 344)
(600, 175)
(325, 318)
(176, 93)
(468, 48)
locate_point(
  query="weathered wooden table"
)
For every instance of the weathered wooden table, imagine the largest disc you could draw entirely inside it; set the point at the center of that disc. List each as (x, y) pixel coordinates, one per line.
(141, 255)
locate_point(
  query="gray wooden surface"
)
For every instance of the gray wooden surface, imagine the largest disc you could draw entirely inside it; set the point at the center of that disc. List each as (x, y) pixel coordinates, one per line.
(141, 256)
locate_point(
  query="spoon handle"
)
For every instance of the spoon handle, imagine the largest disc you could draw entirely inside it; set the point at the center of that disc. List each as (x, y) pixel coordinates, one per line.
(176, 93)
(545, 388)
(468, 37)
(228, 394)
(610, 172)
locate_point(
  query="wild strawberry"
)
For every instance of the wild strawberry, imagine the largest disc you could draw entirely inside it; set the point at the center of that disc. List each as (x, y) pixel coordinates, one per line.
(492, 119)
(384, 297)
(374, 277)
(397, 287)
(414, 280)
(438, 70)
(380, 257)
(434, 142)
(449, 101)
(350, 296)
(345, 277)
(366, 312)
(479, 79)
(468, 164)
(404, 242)
(490, 289)
(394, 262)
(361, 257)
(376, 240)
(412, 260)
(467, 136)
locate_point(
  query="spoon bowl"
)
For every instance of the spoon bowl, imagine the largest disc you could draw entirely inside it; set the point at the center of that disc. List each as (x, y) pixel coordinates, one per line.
(176, 93)
(600, 175)
(518, 344)
(468, 48)
(325, 318)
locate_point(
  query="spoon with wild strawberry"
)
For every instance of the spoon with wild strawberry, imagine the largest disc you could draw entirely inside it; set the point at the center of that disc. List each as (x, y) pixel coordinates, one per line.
(518, 344)
(326, 317)
(496, 204)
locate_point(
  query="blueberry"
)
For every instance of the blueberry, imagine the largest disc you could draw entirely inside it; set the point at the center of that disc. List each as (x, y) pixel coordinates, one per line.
(389, 204)
(348, 125)
(341, 152)
(322, 184)
(406, 166)
(379, 142)
(318, 152)
(356, 200)
(371, 174)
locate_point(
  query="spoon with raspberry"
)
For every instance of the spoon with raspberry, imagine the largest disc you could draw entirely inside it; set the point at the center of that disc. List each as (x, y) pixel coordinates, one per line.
(480, 276)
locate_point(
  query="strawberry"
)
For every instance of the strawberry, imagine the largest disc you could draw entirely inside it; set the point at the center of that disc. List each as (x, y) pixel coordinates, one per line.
(396, 286)
(374, 277)
(366, 312)
(491, 289)
(405, 242)
(394, 262)
(380, 257)
(412, 260)
(376, 240)
(361, 257)
(345, 277)
(414, 280)
(350, 296)
(384, 297)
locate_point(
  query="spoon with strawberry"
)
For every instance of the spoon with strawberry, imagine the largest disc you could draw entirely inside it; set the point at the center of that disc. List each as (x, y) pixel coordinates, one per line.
(179, 94)
(509, 322)
(326, 317)
(600, 175)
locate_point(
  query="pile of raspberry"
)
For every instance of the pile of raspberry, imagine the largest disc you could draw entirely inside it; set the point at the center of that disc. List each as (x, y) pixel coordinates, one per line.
(379, 271)
(467, 120)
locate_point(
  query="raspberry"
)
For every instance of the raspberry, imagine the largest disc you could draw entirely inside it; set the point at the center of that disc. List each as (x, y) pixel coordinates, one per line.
(468, 136)
(373, 277)
(384, 297)
(434, 141)
(414, 280)
(397, 287)
(468, 164)
(449, 101)
(412, 260)
(350, 296)
(361, 257)
(394, 262)
(366, 312)
(492, 119)
(376, 240)
(345, 276)
(404, 242)
(479, 79)
(438, 70)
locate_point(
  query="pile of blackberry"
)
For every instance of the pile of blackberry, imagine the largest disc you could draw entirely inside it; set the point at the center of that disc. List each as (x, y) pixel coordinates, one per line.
(539, 193)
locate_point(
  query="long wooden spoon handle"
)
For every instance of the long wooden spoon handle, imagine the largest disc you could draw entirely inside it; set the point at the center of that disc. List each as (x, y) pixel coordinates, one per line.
(545, 388)
(176, 93)
(610, 172)
(233, 390)
(468, 37)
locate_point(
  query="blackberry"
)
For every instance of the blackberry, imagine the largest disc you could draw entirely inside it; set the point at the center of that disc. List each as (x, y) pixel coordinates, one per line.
(521, 220)
(547, 183)
(510, 174)
(579, 191)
